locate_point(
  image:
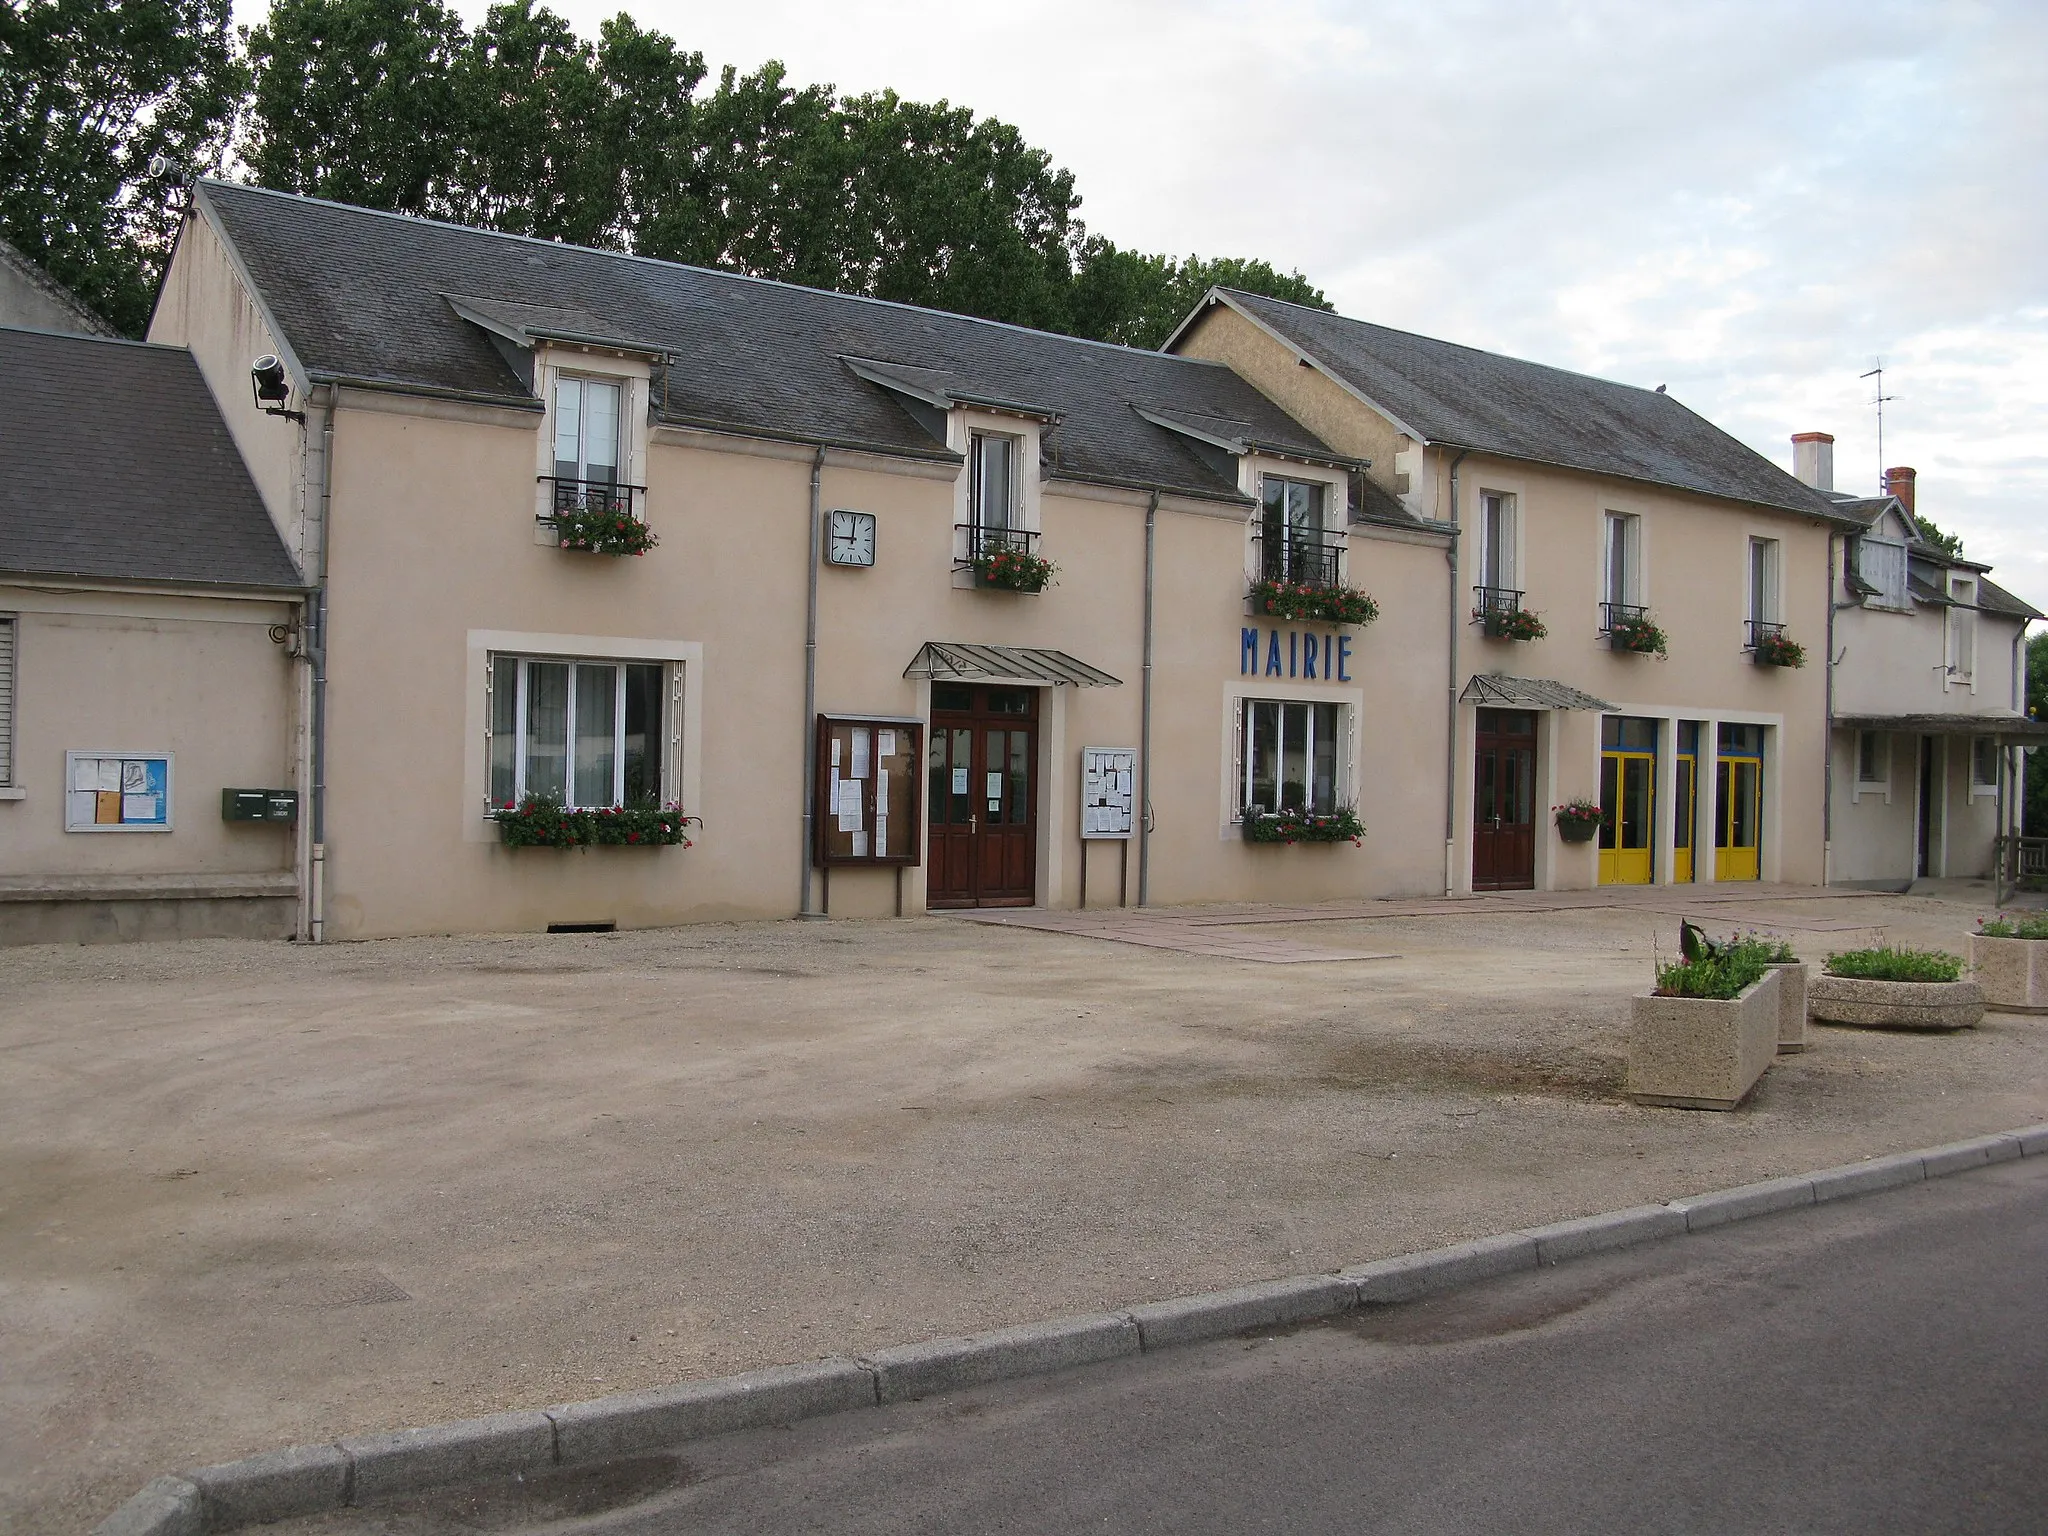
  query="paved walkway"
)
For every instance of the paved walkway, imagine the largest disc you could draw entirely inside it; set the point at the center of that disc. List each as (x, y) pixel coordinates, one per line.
(1219, 930)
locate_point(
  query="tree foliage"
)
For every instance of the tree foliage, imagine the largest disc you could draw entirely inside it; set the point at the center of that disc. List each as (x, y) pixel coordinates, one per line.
(106, 111)
(1950, 544)
(520, 125)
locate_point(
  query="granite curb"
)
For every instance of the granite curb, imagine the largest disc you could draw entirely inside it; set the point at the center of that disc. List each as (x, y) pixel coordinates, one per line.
(315, 1479)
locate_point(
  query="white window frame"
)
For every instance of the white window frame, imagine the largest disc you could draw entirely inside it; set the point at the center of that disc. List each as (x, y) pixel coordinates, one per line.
(1499, 540)
(1959, 639)
(582, 382)
(553, 364)
(1764, 580)
(1013, 512)
(519, 662)
(1631, 583)
(10, 657)
(1982, 788)
(1340, 789)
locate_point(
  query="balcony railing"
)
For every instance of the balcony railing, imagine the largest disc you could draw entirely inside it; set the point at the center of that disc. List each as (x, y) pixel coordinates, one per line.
(1497, 599)
(1005, 559)
(983, 541)
(1304, 560)
(1755, 632)
(1626, 613)
(567, 495)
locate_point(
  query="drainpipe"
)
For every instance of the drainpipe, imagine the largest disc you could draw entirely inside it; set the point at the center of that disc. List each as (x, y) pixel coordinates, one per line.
(316, 876)
(1145, 716)
(1451, 693)
(810, 748)
(1827, 739)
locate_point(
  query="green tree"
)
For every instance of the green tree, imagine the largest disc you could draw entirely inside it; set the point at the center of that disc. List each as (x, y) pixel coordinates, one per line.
(355, 100)
(1139, 300)
(106, 111)
(1950, 544)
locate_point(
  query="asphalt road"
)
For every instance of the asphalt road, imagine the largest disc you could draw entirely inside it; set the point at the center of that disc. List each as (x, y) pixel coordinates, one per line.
(1877, 1365)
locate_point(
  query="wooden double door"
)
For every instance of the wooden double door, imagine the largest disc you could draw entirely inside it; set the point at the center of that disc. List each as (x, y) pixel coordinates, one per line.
(1504, 801)
(981, 797)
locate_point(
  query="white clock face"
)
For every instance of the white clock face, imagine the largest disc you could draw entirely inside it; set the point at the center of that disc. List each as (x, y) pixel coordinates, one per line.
(852, 539)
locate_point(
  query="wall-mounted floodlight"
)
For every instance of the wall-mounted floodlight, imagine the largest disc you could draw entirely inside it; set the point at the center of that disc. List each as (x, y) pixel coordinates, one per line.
(271, 388)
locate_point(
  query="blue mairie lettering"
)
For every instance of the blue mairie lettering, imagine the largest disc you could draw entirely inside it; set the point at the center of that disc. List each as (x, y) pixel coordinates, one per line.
(1313, 658)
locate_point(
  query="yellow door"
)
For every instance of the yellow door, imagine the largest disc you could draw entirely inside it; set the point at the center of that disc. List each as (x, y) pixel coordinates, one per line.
(1685, 818)
(1739, 788)
(1627, 813)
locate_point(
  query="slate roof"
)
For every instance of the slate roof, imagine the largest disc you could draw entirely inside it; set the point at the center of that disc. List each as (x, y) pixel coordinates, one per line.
(366, 297)
(1993, 598)
(116, 464)
(1461, 397)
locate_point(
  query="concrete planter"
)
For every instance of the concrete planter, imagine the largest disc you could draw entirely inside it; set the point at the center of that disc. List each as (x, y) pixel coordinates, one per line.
(1792, 1008)
(2012, 972)
(1700, 1053)
(1895, 1004)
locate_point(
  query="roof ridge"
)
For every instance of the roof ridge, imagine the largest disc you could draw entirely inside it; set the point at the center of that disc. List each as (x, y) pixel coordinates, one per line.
(1461, 346)
(718, 272)
(105, 341)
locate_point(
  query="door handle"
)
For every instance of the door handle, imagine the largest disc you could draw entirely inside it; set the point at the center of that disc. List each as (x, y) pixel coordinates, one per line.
(973, 822)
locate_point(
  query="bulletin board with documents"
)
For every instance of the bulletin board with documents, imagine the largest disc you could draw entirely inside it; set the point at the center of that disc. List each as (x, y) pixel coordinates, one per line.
(117, 791)
(867, 804)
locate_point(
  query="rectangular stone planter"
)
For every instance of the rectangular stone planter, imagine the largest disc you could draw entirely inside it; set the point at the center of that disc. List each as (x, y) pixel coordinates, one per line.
(1792, 1008)
(2012, 972)
(1701, 1053)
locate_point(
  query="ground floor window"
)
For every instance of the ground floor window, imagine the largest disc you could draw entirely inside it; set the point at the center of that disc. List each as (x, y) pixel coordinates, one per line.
(1290, 755)
(1873, 758)
(586, 733)
(1984, 763)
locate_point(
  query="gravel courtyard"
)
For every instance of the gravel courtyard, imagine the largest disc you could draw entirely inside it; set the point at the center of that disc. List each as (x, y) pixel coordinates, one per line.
(255, 1194)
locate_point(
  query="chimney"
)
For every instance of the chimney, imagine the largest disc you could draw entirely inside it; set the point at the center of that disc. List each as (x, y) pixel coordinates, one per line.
(1813, 459)
(1899, 482)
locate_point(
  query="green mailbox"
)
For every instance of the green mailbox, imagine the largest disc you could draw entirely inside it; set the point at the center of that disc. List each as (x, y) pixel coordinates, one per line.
(259, 805)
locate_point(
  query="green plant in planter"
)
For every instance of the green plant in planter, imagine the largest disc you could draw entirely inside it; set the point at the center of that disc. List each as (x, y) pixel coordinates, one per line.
(1297, 826)
(540, 822)
(1300, 601)
(1636, 632)
(1776, 649)
(601, 527)
(1014, 570)
(1578, 820)
(1720, 976)
(2021, 926)
(1768, 951)
(1889, 964)
(1510, 624)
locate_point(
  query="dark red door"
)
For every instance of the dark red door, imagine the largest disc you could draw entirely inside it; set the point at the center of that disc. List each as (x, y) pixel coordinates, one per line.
(981, 797)
(1504, 801)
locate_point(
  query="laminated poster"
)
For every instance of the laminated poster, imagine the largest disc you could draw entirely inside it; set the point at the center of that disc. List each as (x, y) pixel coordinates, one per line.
(995, 787)
(850, 818)
(959, 781)
(835, 754)
(885, 743)
(860, 752)
(860, 845)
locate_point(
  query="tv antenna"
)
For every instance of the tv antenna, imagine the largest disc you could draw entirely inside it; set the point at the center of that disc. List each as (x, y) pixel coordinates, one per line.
(1878, 400)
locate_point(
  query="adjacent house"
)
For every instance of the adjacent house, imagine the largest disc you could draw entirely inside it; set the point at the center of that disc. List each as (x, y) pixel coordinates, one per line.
(148, 616)
(30, 298)
(1632, 610)
(1928, 719)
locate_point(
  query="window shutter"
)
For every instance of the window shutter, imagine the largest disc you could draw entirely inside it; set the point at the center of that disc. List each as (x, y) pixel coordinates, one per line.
(1237, 759)
(6, 701)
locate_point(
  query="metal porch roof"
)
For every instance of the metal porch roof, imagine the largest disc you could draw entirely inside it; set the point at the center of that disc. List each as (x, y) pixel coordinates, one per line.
(958, 661)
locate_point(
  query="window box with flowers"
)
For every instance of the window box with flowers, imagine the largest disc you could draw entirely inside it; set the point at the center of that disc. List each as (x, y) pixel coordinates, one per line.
(1509, 624)
(538, 822)
(1635, 631)
(1772, 647)
(602, 526)
(1294, 826)
(1313, 603)
(1009, 569)
(1578, 820)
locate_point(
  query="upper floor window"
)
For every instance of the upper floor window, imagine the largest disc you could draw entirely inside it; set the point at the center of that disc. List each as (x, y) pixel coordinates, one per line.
(587, 431)
(994, 487)
(1881, 566)
(1497, 540)
(1962, 645)
(585, 733)
(1621, 582)
(1292, 533)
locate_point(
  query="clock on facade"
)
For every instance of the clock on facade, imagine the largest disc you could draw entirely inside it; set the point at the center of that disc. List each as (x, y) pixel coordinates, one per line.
(851, 539)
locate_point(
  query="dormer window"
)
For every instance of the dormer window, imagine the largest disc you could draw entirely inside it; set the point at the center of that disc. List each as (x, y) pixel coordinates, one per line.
(586, 432)
(995, 483)
(1292, 542)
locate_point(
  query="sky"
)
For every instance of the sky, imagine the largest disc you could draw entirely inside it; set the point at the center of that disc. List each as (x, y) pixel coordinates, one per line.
(1751, 203)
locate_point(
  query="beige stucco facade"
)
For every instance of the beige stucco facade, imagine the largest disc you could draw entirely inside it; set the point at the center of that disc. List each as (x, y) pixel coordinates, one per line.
(1691, 574)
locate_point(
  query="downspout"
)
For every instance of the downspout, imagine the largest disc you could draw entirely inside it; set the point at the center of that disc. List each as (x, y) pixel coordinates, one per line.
(1145, 715)
(1451, 691)
(316, 875)
(810, 750)
(1827, 740)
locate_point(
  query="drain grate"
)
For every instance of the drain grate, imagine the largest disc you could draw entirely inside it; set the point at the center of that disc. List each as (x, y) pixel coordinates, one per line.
(361, 1287)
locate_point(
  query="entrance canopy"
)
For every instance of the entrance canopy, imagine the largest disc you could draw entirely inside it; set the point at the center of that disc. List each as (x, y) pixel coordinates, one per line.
(955, 661)
(2010, 730)
(1497, 689)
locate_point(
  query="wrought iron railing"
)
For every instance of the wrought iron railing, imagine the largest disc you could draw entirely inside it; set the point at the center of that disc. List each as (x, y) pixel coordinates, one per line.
(1487, 600)
(570, 495)
(1755, 632)
(1304, 560)
(1627, 613)
(982, 541)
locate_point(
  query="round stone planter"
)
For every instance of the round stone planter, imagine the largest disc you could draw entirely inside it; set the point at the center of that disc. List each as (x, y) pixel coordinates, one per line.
(1791, 1008)
(2012, 972)
(1894, 1004)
